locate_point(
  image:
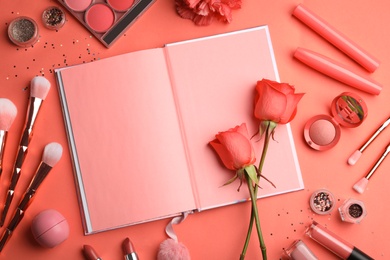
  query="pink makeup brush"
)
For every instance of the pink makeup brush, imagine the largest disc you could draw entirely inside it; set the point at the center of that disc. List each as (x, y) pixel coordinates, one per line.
(358, 153)
(8, 113)
(39, 88)
(51, 155)
(361, 185)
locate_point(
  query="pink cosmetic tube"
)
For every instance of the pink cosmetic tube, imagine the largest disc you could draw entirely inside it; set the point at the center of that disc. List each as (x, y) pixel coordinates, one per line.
(332, 242)
(336, 38)
(337, 71)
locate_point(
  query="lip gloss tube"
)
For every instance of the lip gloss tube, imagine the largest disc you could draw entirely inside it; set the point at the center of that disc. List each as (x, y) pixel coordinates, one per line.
(336, 38)
(337, 71)
(335, 244)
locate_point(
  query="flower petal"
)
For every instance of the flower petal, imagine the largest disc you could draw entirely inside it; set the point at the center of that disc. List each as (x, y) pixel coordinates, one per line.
(239, 147)
(270, 104)
(223, 154)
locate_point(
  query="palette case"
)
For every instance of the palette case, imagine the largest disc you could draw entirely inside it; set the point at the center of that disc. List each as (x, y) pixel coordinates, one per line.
(107, 20)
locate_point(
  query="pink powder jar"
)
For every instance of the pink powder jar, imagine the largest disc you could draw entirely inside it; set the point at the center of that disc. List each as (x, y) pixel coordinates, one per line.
(323, 132)
(23, 31)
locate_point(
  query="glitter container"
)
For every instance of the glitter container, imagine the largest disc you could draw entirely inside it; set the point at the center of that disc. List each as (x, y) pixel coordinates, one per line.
(352, 211)
(23, 31)
(53, 17)
(322, 202)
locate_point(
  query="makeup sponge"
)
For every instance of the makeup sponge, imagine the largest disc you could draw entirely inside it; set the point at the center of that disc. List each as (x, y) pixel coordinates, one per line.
(50, 228)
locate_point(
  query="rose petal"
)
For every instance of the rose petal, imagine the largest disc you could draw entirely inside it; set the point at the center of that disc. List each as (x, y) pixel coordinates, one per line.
(239, 147)
(270, 104)
(223, 154)
(291, 108)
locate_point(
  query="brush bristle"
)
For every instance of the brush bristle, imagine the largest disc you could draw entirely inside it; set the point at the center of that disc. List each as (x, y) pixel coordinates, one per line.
(8, 113)
(52, 154)
(361, 185)
(40, 86)
(354, 157)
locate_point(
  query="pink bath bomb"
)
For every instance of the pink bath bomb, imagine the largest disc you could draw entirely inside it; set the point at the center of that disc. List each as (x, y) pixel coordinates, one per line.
(50, 228)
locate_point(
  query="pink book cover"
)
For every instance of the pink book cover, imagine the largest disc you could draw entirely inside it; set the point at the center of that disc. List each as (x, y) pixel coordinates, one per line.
(139, 125)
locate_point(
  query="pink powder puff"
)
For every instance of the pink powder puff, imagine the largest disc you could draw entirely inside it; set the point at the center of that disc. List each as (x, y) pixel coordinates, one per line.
(172, 250)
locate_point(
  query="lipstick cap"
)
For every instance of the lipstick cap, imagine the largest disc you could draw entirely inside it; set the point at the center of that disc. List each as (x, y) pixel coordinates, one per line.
(299, 251)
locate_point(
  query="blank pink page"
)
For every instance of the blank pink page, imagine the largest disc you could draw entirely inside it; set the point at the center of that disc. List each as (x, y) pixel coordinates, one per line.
(214, 83)
(132, 164)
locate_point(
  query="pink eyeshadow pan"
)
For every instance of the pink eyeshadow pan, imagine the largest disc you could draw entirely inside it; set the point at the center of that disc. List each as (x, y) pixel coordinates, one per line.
(322, 132)
(78, 5)
(100, 17)
(120, 5)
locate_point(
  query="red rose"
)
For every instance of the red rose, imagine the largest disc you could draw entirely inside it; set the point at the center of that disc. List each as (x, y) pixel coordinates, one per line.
(234, 148)
(204, 12)
(276, 101)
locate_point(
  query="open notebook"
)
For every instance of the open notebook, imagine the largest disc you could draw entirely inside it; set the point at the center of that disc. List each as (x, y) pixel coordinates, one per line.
(139, 125)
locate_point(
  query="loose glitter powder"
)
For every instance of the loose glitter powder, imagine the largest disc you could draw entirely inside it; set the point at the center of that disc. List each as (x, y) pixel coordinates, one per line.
(353, 211)
(23, 31)
(53, 17)
(322, 201)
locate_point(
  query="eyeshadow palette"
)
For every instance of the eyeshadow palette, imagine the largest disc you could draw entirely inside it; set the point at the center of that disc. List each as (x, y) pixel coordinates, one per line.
(107, 20)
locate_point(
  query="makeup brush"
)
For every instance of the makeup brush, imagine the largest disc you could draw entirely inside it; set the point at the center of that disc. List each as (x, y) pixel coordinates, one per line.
(361, 185)
(39, 88)
(358, 153)
(51, 155)
(8, 113)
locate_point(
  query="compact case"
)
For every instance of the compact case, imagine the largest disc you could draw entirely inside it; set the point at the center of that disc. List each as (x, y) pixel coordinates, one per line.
(106, 19)
(322, 132)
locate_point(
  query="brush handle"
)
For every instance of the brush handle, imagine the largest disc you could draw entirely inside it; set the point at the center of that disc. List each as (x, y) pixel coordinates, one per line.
(373, 169)
(11, 227)
(31, 116)
(377, 132)
(14, 180)
(39, 177)
(3, 139)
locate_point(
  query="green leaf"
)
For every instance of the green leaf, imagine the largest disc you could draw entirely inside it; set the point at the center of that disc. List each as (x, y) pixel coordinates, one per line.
(252, 173)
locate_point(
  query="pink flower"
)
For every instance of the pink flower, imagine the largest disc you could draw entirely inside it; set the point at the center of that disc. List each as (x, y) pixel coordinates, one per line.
(276, 101)
(204, 12)
(234, 148)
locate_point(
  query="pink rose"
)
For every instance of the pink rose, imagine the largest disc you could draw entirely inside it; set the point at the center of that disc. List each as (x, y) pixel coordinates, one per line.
(276, 101)
(204, 12)
(234, 148)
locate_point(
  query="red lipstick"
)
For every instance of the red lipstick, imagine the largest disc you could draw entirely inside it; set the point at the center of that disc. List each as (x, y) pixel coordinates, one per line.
(90, 253)
(128, 250)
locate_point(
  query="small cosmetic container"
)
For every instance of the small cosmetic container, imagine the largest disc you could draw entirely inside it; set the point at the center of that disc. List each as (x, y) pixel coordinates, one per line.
(322, 202)
(53, 17)
(23, 31)
(299, 251)
(322, 132)
(352, 211)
